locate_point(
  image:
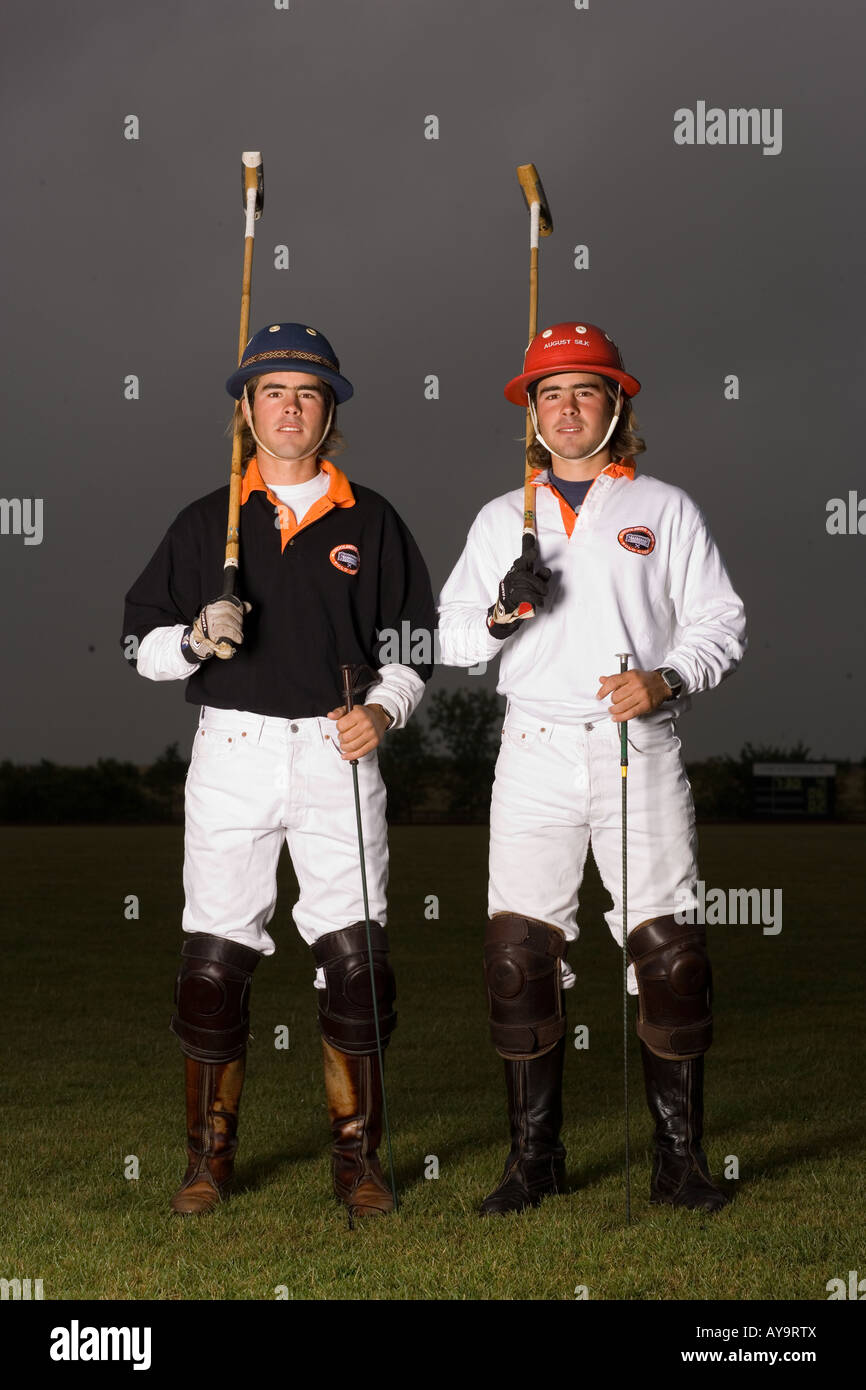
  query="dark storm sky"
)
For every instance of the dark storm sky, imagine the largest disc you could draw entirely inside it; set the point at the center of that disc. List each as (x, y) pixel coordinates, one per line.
(410, 254)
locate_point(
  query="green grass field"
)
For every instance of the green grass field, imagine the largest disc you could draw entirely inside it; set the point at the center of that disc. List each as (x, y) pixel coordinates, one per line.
(92, 1076)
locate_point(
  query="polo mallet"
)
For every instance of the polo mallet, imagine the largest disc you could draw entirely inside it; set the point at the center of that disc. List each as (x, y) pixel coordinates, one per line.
(623, 763)
(540, 224)
(348, 700)
(253, 200)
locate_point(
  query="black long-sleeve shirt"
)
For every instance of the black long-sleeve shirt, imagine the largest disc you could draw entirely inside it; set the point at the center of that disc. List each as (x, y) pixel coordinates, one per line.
(322, 592)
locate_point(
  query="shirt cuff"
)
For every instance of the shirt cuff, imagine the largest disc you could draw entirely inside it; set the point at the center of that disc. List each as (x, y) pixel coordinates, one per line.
(466, 640)
(160, 657)
(398, 690)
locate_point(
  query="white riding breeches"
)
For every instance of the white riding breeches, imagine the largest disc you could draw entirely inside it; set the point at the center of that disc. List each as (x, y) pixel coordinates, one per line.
(558, 787)
(255, 781)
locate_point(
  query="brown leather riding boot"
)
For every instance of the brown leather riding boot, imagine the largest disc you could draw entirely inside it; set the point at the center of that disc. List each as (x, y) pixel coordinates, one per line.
(535, 1166)
(213, 1093)
(675, 1096)
(354, 1090)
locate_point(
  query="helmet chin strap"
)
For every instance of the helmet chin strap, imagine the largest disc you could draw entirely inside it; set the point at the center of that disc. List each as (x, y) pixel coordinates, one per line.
(265, 448)
(611, 427)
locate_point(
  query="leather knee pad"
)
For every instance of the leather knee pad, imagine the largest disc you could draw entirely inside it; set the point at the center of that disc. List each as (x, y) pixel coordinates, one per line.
(346, 1003)
(524, 985)
(674, 982)
(212, 997)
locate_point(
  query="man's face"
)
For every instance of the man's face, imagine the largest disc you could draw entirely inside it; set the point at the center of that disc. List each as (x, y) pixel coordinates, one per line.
(574, 411)
(289, 413)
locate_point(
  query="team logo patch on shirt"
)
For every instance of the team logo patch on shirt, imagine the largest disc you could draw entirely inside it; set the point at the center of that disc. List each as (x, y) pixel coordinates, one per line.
(638, 539)
(346, 558)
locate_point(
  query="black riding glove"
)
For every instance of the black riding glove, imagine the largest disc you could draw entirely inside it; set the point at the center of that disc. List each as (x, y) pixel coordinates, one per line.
(523, 589)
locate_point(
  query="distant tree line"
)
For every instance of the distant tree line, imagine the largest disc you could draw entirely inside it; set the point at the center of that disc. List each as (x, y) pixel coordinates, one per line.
(438, 769)
(108, 791)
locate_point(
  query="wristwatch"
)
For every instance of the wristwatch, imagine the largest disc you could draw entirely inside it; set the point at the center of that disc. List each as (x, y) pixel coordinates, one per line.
(673, 679)
(387, 713)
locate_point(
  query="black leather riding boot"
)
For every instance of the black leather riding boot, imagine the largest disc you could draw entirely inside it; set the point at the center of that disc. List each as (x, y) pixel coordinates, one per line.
(675, 1096)
(535, 1167)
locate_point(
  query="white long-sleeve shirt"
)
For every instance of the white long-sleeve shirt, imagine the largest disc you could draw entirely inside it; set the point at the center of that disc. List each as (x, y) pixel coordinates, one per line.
(636, 571)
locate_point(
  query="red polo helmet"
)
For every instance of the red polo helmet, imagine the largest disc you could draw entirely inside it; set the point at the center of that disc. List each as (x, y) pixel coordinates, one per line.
(570, 347)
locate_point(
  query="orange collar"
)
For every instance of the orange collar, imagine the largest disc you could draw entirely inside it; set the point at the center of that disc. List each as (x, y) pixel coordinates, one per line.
(339, 494)
(617, 468)
(339, 491)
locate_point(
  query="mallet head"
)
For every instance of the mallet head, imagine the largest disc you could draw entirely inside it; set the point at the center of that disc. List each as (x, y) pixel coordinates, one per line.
(533, 192)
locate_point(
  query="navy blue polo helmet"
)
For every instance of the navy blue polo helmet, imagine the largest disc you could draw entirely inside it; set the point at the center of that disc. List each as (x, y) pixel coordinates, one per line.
(290, 347)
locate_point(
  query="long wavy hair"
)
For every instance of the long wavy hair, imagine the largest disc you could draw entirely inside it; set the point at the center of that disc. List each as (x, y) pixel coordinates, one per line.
(624, 443)
(334, 444)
